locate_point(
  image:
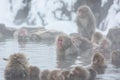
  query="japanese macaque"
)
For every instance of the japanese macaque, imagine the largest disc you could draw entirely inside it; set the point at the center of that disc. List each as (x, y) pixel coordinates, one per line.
(86, 21)
(44, 75)
(66, 74)
(34, 73)
(104, 47)
(55, 75)
(96, 37)
(22, 34)
(115, 58)
(17, 67)
(105, 43)
(82, 43)
(64, 46)
(81, 73)
(93, 74)
(98, 63)
(85, 47)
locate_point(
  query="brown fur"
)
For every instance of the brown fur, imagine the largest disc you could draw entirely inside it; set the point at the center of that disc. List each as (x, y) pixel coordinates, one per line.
(80, 42)
(34, 72)
(17, 67)
(96, 37)
(64, 46)
(114, 36)
(44, 74)
(103, 47)
(115, 58)
(93, 73)
(105, 43)
(98, 63)
(66, 74)
(79, 73)
(55, 75)
(86, 21)
(22, 34)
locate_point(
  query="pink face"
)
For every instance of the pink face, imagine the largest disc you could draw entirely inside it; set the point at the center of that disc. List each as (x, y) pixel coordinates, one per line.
(23, 32)
(105, 44)
(59, 43)
(76, 71)
(95, 61)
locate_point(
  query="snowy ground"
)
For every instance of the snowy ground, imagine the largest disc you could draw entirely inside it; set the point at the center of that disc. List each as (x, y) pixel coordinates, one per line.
(45, 7)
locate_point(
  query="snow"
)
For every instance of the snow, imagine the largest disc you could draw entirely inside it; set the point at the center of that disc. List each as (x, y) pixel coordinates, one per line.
(113, 18)
(103, 2)
(4, 11)
(46, 7)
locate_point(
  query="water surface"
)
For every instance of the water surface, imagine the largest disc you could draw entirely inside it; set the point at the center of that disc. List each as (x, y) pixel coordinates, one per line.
(43, 55)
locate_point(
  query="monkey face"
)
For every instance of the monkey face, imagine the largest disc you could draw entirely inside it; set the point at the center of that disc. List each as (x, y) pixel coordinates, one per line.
(63, 42)
(83, 12)
(76, 71)
(98, 59)
(96, 37)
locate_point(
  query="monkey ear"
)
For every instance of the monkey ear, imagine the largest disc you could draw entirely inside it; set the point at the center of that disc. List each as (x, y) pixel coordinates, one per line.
(5, 59)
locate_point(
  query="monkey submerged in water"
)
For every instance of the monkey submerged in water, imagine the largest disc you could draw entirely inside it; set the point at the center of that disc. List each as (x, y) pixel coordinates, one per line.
(64, 46)
(98, 63)
(34, 73)
(82, 73)
(17, 67)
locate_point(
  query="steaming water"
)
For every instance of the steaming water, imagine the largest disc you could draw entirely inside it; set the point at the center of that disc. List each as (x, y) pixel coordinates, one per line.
(43, 55)
(39, 54)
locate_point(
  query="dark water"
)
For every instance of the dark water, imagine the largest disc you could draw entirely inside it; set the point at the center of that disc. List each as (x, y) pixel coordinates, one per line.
(43, 55)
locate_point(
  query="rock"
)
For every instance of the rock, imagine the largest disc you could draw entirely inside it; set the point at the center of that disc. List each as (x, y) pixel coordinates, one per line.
(114, 36)
(6, 31)
(45, 35)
